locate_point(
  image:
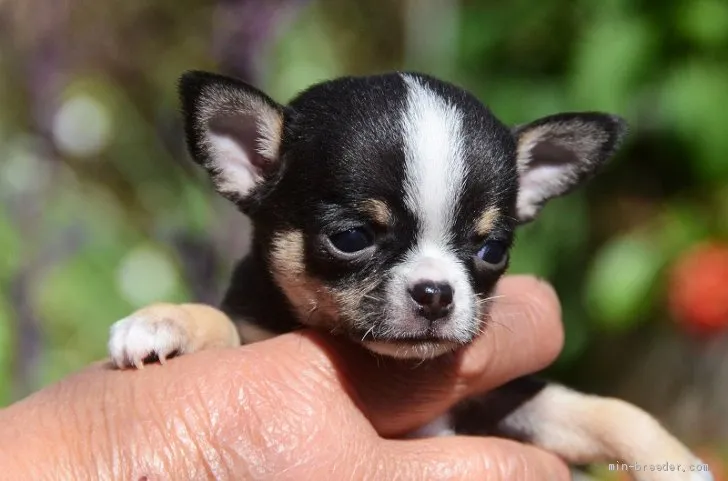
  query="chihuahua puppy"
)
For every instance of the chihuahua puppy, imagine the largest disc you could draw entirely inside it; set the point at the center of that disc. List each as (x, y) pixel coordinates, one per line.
(384, 208)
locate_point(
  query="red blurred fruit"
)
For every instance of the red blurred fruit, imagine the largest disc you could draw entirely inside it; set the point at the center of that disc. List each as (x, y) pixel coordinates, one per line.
(698, 289)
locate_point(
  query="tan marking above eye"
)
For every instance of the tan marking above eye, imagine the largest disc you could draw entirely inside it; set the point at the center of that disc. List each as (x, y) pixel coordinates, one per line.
(486, 222)
(378, 210)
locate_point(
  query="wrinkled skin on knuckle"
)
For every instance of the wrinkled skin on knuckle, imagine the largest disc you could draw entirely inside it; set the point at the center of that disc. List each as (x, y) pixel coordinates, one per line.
(291, 418)
(255, 416)
(426, 462)
(509, 460)
(514, 466)
(459, 458)
(99, 408)
(164, 431)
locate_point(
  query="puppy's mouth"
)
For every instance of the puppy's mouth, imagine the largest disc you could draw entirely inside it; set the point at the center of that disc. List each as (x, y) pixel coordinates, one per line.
(425, 344)
(420, 346)
(413, 348)
(412, 341)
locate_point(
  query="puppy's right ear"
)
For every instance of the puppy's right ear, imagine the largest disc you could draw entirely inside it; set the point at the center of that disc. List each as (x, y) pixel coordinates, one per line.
(233, 130)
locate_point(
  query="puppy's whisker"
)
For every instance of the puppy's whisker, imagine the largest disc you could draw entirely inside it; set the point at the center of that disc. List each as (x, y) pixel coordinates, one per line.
(502, 302)
(310, 314)
(373, 298)
(423, 360)
(369, 331)
(491, 321)
(490, 300)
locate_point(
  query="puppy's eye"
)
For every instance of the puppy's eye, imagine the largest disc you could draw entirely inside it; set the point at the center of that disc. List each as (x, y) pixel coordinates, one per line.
(352, 240)
(493, 252)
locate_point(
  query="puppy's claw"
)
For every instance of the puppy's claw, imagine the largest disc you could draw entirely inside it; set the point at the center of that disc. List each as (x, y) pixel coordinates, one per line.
(144, 334)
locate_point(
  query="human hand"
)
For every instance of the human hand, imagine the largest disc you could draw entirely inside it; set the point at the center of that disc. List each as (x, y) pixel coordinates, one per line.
(299, 406)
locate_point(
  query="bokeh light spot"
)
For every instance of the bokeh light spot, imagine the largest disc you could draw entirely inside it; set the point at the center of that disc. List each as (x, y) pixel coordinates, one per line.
(82, 126)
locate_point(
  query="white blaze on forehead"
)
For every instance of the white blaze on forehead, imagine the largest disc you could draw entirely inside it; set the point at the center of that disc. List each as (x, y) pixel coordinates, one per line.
(434, 166)
(435, 171)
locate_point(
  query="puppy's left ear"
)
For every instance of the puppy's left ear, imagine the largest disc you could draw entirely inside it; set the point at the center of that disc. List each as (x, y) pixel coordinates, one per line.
(233, 130)
(557, 153)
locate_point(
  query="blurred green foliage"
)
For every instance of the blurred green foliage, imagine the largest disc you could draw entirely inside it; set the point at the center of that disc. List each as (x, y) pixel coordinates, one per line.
(97, 193)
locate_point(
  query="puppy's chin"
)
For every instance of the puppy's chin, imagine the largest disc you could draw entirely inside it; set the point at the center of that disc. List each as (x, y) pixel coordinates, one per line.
(404, 350)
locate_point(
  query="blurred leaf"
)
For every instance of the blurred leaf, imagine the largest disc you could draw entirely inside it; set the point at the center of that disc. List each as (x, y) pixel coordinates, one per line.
(704, 22)
(559, 232)
(692, 102)
(137, 138)
(24, 169)
(682, 226)
(90, 211)
(576, 329)
(612, 9)
(57, 362)
(610, 60)
(620, 282)
(81, 321)
(517, 101)
(305, 54)
(10, 246)
(722, 212)
(194, 211)
(482, 29)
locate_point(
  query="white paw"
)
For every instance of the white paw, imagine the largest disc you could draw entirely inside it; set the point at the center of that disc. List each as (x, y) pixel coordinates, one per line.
(142, 336)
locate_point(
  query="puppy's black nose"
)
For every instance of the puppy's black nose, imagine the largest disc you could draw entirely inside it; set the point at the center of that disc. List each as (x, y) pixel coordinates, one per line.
(434, 298)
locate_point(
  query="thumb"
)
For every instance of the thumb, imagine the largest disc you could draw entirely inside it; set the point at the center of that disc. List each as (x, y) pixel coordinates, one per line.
(467, 458)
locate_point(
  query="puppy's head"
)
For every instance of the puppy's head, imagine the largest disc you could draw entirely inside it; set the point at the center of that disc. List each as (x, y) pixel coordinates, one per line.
(385, 206)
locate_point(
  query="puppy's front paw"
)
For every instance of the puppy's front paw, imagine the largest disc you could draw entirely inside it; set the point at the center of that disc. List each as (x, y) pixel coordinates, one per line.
(156, 332)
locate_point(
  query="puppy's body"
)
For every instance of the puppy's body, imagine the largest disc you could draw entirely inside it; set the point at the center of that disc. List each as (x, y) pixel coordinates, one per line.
(383, 209)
